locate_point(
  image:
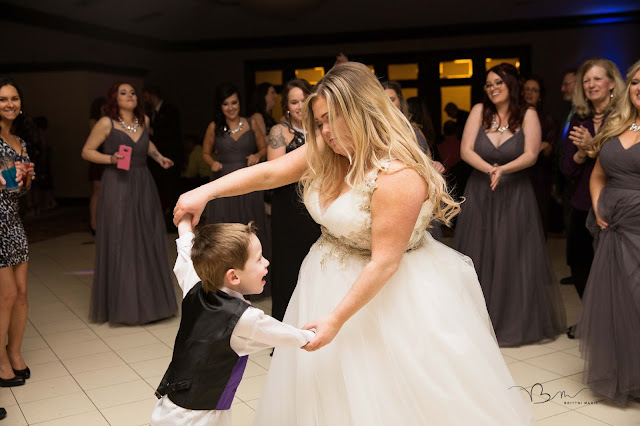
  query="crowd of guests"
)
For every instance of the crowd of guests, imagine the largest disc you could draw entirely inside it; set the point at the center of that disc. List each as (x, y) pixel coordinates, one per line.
(509, 161)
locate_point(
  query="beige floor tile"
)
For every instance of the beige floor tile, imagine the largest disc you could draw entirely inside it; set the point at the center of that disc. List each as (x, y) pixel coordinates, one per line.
(14, 417)
(263, 361)
(154, 381)
(123, 393)
(152, 367)
(70, 337)
(39, 356)
(33, 344)
(166, 333)
(508, 359)
(57, 407)
(575, 351)
(45, 389)
(253, 369)
(525, 352)
(62, 326)
(251, 388)
(131, 414)
(570, 418)
(144, 353)
(38, 320)
(613, 414)
(562, 342)
(92, 418)
(6, 397)
(558, 362)
(93, 362)
(106, 377)
(30, 331)
(134, 340)
(76, 350)
(46, 371)
(168, 322)
(253, 404)
(107, 330)
(542, 409)
(242, 415)
(526, 374)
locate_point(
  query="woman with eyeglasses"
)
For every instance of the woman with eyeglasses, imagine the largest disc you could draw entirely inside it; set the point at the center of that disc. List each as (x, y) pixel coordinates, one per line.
(499, 226)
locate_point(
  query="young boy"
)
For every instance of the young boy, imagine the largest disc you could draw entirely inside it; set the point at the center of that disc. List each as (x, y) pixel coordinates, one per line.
(218, 329)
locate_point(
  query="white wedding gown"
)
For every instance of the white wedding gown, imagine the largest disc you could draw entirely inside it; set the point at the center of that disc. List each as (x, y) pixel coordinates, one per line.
(422, 352)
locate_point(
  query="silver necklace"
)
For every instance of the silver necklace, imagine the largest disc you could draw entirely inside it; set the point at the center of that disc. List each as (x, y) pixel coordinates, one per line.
(133, 128)
(634, 127)
(233, 132)
(494, 126)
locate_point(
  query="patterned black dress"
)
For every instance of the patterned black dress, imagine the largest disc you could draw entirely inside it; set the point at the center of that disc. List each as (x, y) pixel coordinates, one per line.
(13, 241)
(293, 232)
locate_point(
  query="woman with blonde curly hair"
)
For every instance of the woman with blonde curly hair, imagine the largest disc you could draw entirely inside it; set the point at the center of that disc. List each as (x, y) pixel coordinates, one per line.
(609, 326)
(407, 334)
(598, 87)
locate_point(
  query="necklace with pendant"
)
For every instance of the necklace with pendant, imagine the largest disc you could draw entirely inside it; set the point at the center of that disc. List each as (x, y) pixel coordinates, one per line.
(236, 130)
(634, 127)
(133, 128)
(494, 126)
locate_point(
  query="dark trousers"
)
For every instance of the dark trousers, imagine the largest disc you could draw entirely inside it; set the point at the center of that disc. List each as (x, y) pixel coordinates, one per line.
(579, 249)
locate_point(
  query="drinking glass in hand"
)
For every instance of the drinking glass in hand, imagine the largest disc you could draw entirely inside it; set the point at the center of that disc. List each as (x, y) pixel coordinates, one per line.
(8, 169)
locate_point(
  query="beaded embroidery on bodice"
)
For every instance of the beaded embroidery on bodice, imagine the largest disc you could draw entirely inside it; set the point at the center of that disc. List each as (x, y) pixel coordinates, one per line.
(346, 222)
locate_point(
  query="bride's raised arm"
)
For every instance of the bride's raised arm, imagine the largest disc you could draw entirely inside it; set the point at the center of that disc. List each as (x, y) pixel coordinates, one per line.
(395, 207)
(271, 174)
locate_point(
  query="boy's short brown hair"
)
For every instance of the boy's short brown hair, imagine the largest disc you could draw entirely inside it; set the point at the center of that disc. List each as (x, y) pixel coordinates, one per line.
(217, 248)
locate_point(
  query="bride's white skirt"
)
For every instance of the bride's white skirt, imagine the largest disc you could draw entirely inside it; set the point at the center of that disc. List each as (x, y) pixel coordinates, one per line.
(422, 352)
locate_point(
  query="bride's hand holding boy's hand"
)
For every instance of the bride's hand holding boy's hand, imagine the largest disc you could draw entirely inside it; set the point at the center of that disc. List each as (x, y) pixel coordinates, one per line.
(326, 329)
(192, 202)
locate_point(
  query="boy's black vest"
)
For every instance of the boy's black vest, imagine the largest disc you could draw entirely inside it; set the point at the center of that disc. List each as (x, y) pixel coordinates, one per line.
(205, 372)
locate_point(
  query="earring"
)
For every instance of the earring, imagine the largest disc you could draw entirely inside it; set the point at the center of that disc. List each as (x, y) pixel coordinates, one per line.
(611, 94)
(20, 111)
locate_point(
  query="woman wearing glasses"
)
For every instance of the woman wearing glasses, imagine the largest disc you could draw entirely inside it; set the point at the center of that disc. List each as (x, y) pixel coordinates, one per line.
(499, 226)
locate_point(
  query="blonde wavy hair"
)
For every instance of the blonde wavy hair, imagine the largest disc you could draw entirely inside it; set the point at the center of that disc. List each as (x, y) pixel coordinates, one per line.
(376, 131)
(583, 106)
(620, 118)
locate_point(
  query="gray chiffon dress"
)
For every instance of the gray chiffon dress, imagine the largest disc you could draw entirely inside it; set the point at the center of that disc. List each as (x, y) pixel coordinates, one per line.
(132, 282)
(502, 232)
(241, 208)
(609, 324)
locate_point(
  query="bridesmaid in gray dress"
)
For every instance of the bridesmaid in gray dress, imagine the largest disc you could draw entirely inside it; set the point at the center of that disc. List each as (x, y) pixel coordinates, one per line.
(609, 325)
(499, 226)
(132, 282)
(236, 145)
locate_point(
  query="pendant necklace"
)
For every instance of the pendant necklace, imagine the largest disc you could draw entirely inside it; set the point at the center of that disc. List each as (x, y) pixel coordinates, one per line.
(634, 127)
(494, 126)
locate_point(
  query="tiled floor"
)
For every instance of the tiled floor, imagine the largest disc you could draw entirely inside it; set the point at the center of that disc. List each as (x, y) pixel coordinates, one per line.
(88, 374)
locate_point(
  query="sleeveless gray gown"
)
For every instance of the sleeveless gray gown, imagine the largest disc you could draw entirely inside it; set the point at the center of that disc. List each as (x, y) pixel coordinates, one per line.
(609, 325)
(132, 282)
(502, 232)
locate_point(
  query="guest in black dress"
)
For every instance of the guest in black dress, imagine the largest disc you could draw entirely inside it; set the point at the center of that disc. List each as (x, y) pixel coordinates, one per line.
(598, 86)
(293, 231)
(541, 173)
(609, 326)
(499, 226)
(14, 250)
(131, 282)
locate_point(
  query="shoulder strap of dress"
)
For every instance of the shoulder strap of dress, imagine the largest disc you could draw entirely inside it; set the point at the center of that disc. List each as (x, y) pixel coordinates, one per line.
(370, 179)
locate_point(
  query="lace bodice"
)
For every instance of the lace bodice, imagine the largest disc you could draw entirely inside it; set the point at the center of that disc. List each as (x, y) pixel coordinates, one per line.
(346, 223)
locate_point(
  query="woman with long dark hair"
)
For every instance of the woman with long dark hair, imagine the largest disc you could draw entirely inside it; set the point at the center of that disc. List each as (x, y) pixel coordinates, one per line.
(263, 100)
(499, 226)
(131, 281)
(293, 231)
(235, 144)
(16, 177)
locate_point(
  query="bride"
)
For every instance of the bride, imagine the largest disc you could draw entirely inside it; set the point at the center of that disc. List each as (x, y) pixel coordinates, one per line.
(402, 330)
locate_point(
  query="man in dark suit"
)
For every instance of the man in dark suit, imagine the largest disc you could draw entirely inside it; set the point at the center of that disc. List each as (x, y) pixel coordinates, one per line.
(165, 133)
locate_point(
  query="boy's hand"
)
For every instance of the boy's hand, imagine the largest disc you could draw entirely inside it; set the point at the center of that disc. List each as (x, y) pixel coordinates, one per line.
(184, 225)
